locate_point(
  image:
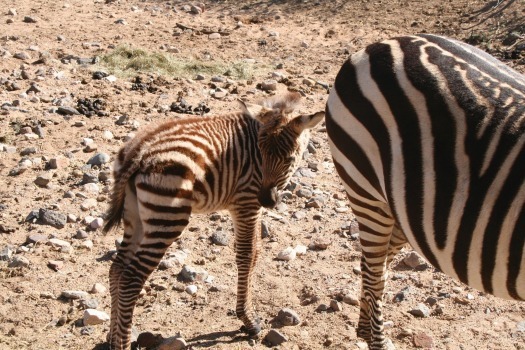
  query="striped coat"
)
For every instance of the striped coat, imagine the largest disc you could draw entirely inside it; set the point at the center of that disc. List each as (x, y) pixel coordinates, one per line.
(428, 136)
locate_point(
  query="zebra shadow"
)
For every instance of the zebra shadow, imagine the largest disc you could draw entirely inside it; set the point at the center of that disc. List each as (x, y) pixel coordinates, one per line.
(215, 338)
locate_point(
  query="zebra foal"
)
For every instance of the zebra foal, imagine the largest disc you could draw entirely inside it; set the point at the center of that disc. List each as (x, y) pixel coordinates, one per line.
(238, 162)
(427, 134)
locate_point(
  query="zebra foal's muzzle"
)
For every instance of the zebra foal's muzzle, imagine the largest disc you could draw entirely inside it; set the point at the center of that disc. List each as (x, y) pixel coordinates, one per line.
(268, 197)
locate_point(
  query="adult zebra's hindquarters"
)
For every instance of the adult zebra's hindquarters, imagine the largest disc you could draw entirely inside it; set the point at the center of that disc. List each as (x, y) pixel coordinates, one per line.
(199, 164)
(427, 134)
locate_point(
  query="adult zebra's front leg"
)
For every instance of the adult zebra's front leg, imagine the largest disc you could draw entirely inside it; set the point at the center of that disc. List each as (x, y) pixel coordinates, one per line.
(247, 223)
(376, 228)
(156, 217)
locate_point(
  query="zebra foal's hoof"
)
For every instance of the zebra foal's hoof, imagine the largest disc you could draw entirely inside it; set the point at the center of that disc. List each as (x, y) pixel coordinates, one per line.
(253, 331)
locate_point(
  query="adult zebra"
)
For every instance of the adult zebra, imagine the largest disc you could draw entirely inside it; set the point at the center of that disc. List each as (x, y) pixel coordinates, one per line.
(427, 134)
(236, 162)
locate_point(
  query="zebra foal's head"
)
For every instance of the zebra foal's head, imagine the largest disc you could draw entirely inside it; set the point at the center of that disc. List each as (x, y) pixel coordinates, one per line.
(283, 137)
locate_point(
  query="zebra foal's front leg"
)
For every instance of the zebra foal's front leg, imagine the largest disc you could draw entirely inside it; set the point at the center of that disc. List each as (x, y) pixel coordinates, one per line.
(155, 219)
(247, 223)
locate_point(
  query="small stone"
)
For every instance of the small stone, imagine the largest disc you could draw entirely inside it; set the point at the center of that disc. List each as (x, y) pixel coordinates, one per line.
(29, 19)
(220, 238)
(149, 340)
(304, 193)
(43, 179)
(191, 289)
(423, 340)
(320, 243)
(350, 300)
(6, 253)
(413, 260)
(93, 317)
(52, 218)
(288, 317)
(87, 244)
(275, 338)
(214, 36)
(335, 305)
(98, 288)
(92, 147)
(59, 243)
(322, 308)
(287, 254)
(59, 162)
(269, 85)
(66, 110)
(74, 294)
(265, 231)
(173, 343)
(55, 264)
(88, 204)
(99, 159)
(22, 56)
(19, 261)
(191, 274)
(300, 249)
(421, 310)
(36, 239)
(96, 223)
(12, 12)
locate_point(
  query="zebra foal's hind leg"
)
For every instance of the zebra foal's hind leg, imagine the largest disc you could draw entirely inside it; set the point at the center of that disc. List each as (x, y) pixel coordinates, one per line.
(247, 223)
(376, 227)
(156, 217)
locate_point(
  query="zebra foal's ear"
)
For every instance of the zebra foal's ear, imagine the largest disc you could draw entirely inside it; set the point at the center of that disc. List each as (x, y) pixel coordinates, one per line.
(308, 121)
(255, 111)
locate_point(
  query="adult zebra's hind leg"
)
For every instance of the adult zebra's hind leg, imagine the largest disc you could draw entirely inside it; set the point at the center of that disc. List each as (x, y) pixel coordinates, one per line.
(247, 223)
(155, 219)
(376, 226)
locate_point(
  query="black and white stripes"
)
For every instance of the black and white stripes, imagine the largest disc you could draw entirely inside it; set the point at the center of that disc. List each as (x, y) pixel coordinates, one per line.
(428, 136)
(236, 162)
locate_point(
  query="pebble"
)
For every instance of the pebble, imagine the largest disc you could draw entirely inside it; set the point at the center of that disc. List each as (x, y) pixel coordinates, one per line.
(173, 343)
(265, 231)
(43, 179)
(320, 243)
(287, 254)
(300, 249)
(66, 110)
(220, 238)
(191, 289)
(423, 340)
(92, 147)
(93, 317)
(74, 294)
(88, 204)
(304, 193)
(96, 223)
(335, 305)
(12, 12)
(22, 55)
(191, 274)
(6, 253)
(19, 261)
(421, 310)
(99, 159)
(52, 218)
(269, 85)
(98, 288)
(214, 36)
(288, 317)
(30, 19)
(55, 264)
(59, 162)
(275, 338)
(59, 243)
(35, 239)
(350, 300)
(413, 260)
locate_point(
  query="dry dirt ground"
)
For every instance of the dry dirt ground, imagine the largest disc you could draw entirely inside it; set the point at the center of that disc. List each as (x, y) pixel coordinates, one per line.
(304, 44)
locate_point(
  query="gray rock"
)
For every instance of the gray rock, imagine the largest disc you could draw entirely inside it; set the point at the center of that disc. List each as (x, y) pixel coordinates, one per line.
(35, 239)
(191, 289)
(22, 56)
(19, 261)
(265, 231)
(269, 85)
(52, 218)
(335, 305)
(413, 260)
(214, 36)
(191, 274)
(275, 338)
(99, 159)
(220, 238)
(421, 310)
(6, 253)
(93, 317)
(66, 110)
(74, 294)
(350, 300)
(30, 19)
(43, 179)
(27, 151)
(88, 303)
(288, 317)
(304, 193)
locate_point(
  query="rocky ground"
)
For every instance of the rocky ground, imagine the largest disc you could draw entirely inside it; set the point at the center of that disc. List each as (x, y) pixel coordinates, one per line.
(67, 107)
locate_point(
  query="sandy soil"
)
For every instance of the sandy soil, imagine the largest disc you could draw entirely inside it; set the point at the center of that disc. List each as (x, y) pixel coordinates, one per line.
(305, 41)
